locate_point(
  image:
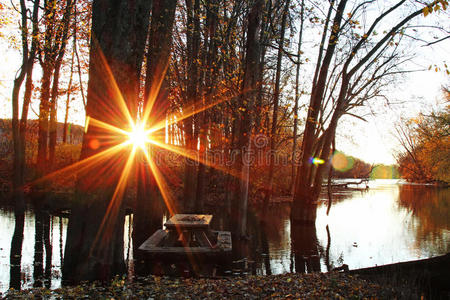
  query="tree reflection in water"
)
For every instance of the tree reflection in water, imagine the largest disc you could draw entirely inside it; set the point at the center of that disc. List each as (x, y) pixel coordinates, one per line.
(305, 247)
(42, 274)
(431, 210)
(38, 264)
(16, 252)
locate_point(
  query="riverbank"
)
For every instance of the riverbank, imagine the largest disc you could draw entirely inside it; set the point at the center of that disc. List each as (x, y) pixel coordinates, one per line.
(331, 285)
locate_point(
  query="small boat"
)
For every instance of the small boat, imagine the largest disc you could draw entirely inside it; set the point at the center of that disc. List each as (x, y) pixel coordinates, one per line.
(188, 235)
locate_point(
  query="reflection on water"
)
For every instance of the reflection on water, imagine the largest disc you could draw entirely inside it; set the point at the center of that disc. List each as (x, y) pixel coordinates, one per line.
(385, 224)
(41, 253)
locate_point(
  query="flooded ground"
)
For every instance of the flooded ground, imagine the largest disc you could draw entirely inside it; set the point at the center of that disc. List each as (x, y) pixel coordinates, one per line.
(387, 223)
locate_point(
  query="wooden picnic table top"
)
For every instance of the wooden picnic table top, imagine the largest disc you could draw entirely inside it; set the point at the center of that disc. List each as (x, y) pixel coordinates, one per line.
(189, 221)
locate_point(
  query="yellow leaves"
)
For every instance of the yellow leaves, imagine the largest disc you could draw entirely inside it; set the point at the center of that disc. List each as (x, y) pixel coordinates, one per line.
(435, 7)
(437, 68)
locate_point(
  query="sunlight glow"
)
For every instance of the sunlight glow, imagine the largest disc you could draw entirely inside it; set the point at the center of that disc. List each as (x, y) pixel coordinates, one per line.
(138, 137)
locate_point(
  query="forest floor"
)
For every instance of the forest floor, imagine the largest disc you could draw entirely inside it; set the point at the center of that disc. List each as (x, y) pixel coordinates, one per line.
(332, 285)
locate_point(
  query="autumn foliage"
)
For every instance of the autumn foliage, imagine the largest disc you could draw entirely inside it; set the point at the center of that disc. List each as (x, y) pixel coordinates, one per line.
(426, 144)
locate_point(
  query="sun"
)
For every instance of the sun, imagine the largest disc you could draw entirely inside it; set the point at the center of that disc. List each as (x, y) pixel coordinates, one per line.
(138, 137)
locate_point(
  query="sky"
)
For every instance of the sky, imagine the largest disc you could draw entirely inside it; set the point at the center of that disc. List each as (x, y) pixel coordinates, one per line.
(372, 141)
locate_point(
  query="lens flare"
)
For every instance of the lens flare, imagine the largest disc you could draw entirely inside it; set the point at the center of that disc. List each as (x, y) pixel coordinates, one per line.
(341, 162)
(384, 172)
(316, 161)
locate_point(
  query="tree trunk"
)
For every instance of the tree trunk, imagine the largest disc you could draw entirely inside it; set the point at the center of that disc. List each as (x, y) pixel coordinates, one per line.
(18, 132)
(305, 196)
(297, 97)
(244, 128)
(192, 94)
(47, 65)
(60, 50)
(276, 99)
(69, 92)
(149, 204)
(263, 36)
(94, 246)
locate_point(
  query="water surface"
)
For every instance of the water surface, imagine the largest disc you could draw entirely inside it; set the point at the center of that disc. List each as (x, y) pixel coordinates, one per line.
(387, 223)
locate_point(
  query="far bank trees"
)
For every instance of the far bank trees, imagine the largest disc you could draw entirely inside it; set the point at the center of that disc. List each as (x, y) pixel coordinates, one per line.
(425, 153)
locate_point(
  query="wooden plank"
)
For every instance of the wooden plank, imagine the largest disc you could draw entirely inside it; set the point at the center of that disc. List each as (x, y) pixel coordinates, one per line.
(188, 221)
(170, 239)
(153, 244)
(154, 240)
(181, 250)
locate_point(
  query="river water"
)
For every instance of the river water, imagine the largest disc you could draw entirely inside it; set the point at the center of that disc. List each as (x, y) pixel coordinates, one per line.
(387, 223)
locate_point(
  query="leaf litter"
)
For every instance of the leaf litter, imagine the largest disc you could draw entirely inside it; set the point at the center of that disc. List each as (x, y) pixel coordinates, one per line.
(332, 285)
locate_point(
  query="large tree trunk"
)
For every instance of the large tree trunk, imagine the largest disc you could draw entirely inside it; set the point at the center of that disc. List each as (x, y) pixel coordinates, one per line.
(306, 195)
(149, 204)
(94, 246)
(244, 128)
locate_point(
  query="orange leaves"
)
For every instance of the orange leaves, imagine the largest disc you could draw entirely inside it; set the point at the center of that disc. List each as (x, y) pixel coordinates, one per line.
(435, 7)
(427, 159)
